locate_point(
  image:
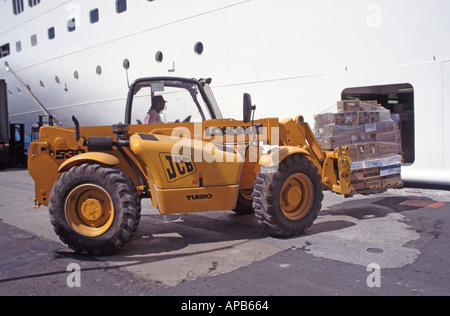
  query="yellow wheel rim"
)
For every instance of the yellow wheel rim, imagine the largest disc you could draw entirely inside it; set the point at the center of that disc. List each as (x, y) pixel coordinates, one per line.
(297, 196)
(89, 210)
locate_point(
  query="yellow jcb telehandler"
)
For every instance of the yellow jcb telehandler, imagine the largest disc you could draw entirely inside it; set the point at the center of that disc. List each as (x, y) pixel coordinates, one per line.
(93, 178)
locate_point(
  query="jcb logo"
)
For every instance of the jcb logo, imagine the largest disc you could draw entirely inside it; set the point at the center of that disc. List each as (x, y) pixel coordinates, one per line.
(177, 167)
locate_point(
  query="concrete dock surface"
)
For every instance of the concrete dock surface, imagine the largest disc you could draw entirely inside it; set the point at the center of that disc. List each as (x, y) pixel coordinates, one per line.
(395, 243)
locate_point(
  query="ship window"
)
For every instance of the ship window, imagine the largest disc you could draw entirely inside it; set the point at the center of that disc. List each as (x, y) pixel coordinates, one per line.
(34, 40)
(94, 16)
(51, 33)
(198, 48)
(18, 6)
(159, 56)
(32, 3)
(18, 46)
(121, 6)
(71, 25)
(4, 50)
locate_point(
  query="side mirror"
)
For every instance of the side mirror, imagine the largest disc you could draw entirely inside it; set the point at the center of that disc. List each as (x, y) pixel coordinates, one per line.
(248, 108)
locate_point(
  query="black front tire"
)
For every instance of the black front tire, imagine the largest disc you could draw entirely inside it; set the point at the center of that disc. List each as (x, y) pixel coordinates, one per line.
(288, 201)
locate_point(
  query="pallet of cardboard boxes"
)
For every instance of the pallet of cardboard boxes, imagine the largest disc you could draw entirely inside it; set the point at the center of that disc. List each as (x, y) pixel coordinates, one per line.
(374, 143)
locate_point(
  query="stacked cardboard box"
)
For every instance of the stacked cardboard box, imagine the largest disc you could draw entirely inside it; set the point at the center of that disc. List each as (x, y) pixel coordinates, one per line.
(373, 139)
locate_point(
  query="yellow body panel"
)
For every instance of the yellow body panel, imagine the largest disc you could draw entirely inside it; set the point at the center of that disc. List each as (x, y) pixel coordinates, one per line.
(189, 200)
(176, 163)
(187, 175)
(43, 170)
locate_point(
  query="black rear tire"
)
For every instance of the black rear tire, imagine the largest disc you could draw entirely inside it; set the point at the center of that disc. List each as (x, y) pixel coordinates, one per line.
(94, 209)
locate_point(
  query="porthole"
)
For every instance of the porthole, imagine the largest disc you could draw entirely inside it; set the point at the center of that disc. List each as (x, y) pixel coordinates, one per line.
(42, 84)
(51, 33)
(76, 75)
(34, 40)
(99, 70)
(57, 80)
(159, 56)
(121, 6)
(198, 48)
(94, 16)
(18, 90)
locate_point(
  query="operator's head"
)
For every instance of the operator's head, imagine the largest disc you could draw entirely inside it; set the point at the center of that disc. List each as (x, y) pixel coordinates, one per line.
(158, 103)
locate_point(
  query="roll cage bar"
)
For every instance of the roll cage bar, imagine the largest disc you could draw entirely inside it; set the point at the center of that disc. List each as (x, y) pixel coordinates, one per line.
(192, 85)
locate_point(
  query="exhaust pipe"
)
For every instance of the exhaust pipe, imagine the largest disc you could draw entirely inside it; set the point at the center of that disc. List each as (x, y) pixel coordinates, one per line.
(77, 128)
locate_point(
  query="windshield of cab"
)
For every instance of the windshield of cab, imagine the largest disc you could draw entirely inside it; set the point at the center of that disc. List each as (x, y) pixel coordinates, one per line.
(168, 101)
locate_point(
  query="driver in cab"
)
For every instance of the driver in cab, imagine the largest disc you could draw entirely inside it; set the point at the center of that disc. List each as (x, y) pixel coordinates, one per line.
(154, 114)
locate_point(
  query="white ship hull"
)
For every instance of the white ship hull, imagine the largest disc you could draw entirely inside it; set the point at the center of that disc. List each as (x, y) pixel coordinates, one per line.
(293, 56)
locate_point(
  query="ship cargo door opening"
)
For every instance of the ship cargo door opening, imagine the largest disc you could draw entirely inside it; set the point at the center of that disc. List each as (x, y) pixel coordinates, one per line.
(399, 99)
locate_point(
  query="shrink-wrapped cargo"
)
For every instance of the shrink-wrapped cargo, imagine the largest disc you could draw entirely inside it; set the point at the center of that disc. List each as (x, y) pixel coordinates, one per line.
(374, 143)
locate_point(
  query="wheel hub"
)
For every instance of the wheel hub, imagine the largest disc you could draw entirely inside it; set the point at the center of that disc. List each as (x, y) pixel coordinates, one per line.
(91, 209)
(294, 196)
